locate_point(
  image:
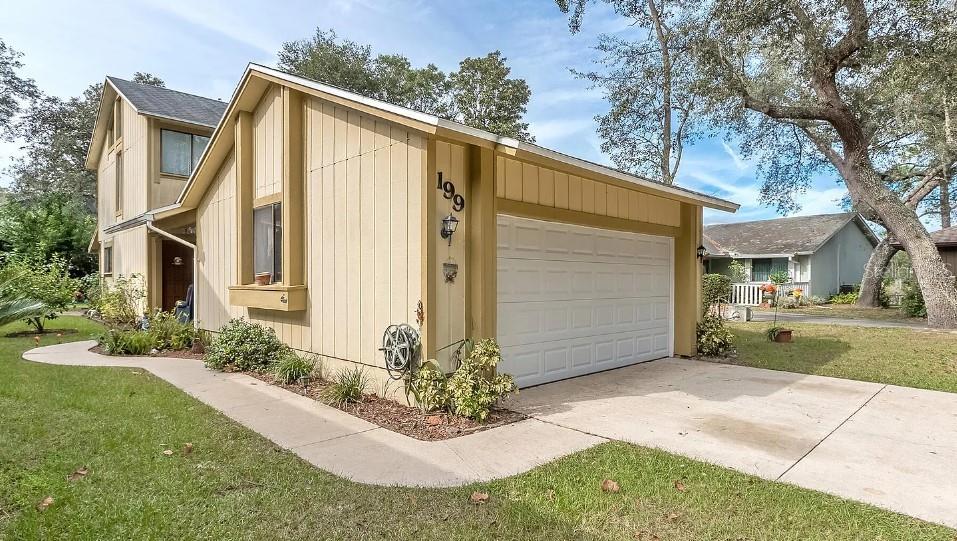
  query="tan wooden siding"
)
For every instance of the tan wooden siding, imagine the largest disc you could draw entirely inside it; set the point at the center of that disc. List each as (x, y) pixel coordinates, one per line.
(530, 183)
(362, 235)
(130, 257)
(135, 151)
(267, 144)
(450, 297)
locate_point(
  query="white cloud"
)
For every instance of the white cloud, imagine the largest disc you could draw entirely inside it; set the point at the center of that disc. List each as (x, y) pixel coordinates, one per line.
(560, 128)
(221, 19)
(738, 162)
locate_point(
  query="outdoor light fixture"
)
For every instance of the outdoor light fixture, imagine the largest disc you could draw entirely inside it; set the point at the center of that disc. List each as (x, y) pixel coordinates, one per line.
(449, 223)
(701, 252)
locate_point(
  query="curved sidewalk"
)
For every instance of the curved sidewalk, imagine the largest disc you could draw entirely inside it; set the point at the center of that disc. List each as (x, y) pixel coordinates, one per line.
(341, 443)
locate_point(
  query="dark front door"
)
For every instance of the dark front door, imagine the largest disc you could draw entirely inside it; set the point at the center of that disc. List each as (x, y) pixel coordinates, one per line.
(177, 272)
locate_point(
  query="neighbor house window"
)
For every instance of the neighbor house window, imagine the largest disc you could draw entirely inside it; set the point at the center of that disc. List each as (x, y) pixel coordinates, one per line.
(267, 241)
(760, 270)
(118, 182)
(107, 260)
(180, 152)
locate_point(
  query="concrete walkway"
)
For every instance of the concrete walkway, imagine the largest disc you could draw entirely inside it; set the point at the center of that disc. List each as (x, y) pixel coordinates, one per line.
(794, 317)
(893, 447)
(338, 442)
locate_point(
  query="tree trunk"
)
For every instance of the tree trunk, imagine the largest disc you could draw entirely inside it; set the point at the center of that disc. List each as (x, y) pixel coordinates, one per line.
(935, 280)
(873, 280)
(945, 209)
(655, 13)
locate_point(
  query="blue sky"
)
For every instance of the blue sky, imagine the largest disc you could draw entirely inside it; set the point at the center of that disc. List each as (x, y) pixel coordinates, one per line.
(203, 46)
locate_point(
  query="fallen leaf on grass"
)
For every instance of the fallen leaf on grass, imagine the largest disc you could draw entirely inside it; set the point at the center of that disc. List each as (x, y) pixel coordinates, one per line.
(168, 452)
(609, 486)
(680, 487)
(46, 502)
(77, 474)
(646, 536)
(479, 497)
(550, 495)
(187, 449)
(673, 516)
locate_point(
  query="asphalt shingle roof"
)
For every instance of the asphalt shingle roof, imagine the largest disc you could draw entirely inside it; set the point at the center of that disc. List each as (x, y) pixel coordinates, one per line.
(798, 234)
(172, 104)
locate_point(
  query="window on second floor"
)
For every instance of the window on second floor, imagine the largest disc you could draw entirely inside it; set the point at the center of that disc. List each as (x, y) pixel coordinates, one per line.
(118, 183)
(180, 152)
(267, 241)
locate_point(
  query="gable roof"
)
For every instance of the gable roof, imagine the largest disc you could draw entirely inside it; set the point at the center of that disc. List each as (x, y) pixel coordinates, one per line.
(151, 101)
(171, 104)
(256, 78)
(941, 237)
(781, 236)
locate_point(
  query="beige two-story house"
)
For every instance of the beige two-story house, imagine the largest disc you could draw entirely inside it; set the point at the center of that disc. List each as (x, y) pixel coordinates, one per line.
(146, 142)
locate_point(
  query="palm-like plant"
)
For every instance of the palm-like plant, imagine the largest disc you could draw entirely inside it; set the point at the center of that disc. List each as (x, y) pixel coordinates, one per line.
(15, 306)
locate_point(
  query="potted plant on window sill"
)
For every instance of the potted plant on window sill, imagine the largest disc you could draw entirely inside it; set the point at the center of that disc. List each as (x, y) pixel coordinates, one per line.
(263, 278)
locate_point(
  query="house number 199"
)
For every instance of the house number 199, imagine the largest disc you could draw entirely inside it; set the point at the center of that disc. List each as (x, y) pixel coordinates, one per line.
(448, 191)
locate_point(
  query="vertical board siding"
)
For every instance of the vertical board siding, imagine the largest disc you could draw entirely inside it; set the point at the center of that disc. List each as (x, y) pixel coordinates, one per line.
(530, 183)
(267, 144)
(363, 221)
(450, 160)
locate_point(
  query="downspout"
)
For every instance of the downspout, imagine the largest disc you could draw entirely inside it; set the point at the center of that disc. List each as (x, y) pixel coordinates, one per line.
(191, 246)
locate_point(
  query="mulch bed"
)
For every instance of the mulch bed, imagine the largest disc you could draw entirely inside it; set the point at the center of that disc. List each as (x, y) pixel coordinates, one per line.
(46, 332)
(183, 354)
(403, 419)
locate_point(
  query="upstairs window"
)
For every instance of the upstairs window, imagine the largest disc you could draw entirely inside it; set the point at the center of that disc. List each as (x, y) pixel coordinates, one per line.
(118, 183)
(267, 241)
(180, 152)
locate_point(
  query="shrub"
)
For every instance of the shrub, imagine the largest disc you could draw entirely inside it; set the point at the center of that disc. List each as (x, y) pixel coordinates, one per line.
(346, 387)
(89, 289)
(127, 342)
(120, 303)
(737, 272)
(46, 282)
(714, 338)
(170, 333)
(429, 386)
(912, 302)
(844, 298)
(472, 389)
(715, 288)
(779, 277)
(244, 346)
(292, 366)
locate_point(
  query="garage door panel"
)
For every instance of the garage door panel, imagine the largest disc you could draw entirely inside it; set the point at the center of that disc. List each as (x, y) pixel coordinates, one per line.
(574, 300)
(540, 322)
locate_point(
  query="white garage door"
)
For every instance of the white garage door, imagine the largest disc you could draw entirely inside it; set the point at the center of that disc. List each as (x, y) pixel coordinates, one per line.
(574, 300)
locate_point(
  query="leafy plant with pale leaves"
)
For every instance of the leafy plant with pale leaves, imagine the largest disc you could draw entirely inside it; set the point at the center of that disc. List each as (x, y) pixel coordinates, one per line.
(475, 387)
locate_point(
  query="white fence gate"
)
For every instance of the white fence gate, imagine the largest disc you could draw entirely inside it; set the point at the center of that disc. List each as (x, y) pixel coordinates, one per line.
(750, 294)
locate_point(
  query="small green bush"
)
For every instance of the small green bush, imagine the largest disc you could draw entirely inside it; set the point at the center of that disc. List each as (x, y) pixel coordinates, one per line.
(429, 386)
(737, 272)
(46, 281)
(346, 387)
(779, 277)
(120, 304)
(844, 298)
(170, 333)
(714, 338)
(291, 366)
(912, 302)
(715, 288)
(89, 289)
(244, 346)
(472, 389)
(126, 342)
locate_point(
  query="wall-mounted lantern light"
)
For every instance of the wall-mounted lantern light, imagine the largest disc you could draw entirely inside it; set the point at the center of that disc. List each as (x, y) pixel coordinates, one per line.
(449, 223)
(701, 252)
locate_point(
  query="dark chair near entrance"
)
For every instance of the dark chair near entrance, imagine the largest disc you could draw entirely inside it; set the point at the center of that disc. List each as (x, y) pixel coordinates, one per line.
(184, 308)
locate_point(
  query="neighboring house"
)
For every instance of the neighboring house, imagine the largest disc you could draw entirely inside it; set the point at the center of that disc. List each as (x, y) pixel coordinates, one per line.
(821, 253)
(946, 241)
(146, 142)
(325, 214)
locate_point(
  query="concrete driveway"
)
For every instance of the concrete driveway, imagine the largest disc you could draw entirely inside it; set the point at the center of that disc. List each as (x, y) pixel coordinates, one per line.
(893, 447)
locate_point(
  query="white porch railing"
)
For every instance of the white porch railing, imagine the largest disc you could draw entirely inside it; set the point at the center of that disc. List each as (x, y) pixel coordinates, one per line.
(750, 294)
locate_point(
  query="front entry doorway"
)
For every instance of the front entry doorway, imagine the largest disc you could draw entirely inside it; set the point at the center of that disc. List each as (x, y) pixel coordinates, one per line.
(177, 272)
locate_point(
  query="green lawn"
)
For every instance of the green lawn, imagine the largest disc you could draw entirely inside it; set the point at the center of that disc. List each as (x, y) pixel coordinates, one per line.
(850, 311)
(923, 359)
(237, 485)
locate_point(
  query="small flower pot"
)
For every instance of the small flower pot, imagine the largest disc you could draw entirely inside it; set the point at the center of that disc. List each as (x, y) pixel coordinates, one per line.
(783, 335)
(263, 278)
(198, 348)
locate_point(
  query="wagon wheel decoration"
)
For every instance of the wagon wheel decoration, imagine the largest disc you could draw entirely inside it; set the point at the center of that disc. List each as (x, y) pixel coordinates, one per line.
(400, 344)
